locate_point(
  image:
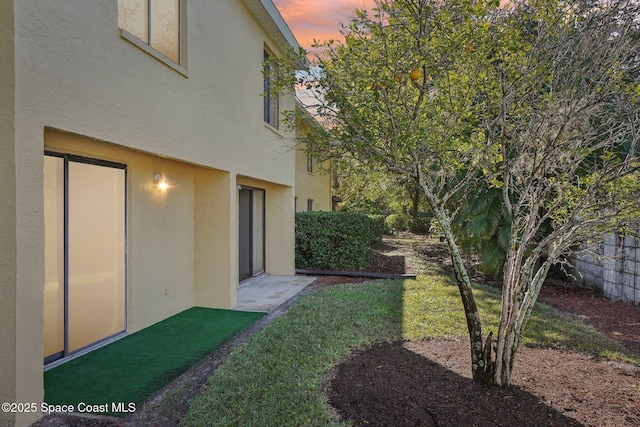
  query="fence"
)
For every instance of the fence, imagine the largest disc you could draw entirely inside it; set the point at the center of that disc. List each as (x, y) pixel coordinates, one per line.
(612, 266)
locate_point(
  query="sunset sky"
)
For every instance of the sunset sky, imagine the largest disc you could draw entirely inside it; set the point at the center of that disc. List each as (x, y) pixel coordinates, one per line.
(319, 19)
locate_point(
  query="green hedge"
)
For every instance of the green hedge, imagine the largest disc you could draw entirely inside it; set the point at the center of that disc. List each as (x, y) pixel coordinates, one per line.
(378, 227)
(334, 240)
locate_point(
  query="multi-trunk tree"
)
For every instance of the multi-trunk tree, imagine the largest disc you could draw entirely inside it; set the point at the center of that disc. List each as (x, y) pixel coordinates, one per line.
(534, 101)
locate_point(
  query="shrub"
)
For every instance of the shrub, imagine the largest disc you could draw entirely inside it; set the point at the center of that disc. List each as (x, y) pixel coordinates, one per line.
(333, 240)
(378, 227)
(422, 223)
(398, 222)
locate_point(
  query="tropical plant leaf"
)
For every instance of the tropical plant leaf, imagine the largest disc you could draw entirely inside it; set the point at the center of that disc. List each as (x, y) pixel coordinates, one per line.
(492, 256)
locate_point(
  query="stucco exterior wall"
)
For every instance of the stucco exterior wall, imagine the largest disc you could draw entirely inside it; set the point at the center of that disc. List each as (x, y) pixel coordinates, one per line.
(160, 227)
(72, 71)
(98, 84)
(216, 254)
(8, 266)
(315, 185)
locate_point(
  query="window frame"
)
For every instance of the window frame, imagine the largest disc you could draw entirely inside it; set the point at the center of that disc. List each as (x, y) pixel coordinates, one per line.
(56, 358)
(181, 65)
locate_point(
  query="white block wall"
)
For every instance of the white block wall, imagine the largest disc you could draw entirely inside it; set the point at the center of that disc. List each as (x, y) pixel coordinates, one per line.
(612, 266)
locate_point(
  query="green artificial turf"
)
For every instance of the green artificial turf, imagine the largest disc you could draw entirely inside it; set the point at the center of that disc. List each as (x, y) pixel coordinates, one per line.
(132, 368)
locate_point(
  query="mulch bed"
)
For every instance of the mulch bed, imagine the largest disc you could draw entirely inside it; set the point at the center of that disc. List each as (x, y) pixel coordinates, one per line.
(428, 383)
(616, 319)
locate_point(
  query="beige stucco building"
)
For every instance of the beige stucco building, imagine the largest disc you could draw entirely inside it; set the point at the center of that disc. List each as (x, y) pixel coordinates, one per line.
(142, 172)
(313, 182)
(313, 177)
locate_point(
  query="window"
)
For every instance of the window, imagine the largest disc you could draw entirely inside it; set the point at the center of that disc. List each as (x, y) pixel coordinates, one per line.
(309, 162)
(271, 104)
(158, 24)
(309, 205)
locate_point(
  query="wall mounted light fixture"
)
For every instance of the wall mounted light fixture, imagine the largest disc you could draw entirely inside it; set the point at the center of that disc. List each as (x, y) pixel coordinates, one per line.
(161, 181)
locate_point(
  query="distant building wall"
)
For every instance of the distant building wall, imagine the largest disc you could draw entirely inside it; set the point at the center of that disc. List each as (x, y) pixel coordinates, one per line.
(313, 183)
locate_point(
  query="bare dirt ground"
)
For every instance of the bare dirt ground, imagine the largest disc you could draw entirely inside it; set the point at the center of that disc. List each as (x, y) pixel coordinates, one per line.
(427, 383)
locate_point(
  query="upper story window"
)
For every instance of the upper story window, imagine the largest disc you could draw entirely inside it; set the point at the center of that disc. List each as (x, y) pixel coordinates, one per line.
(271, 102)
(309, 162)
(158, 24)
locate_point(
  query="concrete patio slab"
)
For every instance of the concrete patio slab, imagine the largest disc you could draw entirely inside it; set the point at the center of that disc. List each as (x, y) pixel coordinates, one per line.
(265, 293)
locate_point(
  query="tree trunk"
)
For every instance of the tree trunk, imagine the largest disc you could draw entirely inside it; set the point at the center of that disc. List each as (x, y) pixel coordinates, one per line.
(505, 351)
(415, 200)
(517, 303)
(414, 193)
(482, 365)
(508, 315)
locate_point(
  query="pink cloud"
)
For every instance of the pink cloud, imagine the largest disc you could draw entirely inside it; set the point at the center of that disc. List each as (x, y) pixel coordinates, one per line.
(321, 19)
(318, 19)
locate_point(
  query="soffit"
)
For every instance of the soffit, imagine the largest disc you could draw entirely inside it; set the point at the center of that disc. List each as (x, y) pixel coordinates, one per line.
(270, 19)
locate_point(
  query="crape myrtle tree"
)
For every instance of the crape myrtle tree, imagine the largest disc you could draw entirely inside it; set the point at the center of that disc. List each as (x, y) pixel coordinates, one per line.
(536, 102)
(564, 118)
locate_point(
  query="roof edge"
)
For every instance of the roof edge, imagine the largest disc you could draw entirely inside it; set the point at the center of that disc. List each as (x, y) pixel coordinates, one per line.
(269, 17)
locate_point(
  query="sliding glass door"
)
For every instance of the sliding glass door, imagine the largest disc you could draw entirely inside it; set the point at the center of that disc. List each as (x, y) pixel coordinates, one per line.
(84, 253)
(251, 228)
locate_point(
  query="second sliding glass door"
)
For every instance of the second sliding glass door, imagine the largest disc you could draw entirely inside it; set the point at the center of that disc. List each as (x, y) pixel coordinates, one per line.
(251, 229)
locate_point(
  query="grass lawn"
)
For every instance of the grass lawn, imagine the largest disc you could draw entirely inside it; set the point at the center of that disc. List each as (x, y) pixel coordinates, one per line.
(278, 377)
